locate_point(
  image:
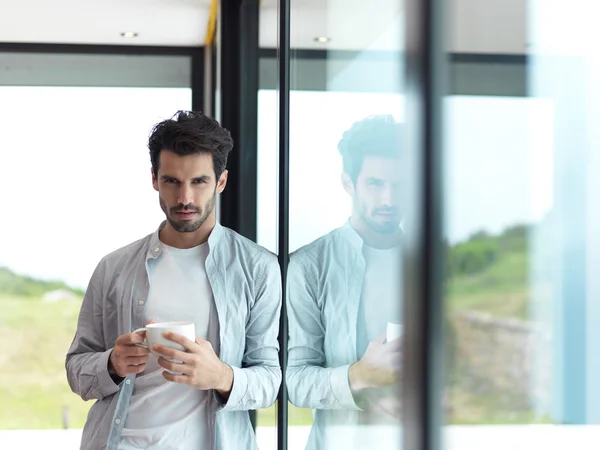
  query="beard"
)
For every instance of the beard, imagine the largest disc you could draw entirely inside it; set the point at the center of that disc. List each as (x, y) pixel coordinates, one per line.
(380, 226)
(187, 226)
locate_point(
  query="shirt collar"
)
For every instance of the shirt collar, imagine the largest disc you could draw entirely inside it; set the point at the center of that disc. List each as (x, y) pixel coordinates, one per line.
(350, 234)
(155, 246)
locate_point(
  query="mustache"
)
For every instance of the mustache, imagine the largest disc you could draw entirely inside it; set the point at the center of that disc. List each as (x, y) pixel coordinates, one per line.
(386, 211)
(185, 208)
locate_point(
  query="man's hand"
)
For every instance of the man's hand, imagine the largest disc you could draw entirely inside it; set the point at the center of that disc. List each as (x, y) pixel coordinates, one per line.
(126, 357)
(201, 367)
(379, 366)
(388, 404)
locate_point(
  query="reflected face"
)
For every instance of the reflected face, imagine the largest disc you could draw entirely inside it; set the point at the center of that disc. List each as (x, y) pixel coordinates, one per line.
(187, 189)
(376, 194)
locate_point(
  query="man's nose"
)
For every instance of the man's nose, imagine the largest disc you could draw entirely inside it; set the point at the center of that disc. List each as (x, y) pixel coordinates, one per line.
(387, 196)
(185, 195)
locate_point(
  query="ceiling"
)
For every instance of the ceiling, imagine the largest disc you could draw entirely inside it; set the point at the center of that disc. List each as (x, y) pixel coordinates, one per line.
(477, 26)
(184, 22)
(158, 22)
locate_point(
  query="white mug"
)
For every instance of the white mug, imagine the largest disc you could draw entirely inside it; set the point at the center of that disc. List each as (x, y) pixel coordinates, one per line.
(394, 331)
(154, 334)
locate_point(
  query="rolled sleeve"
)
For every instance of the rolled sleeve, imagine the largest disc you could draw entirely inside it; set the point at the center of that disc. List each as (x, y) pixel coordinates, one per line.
(87, 358)
(106, 384)
(237, 394)
(340, 387)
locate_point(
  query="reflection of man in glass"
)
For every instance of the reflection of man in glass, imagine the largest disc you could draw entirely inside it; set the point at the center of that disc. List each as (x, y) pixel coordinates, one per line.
(344, 289)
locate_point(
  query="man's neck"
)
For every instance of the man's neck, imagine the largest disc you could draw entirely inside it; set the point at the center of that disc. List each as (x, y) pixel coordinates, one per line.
(372, 238)
(169, 236)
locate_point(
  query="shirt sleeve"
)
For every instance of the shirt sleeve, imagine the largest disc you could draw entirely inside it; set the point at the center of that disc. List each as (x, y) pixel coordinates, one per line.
(256, 383)
(310, 384)
(87, 358)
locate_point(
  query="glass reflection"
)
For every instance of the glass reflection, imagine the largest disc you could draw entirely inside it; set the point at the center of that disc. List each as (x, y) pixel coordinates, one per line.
(344, 309)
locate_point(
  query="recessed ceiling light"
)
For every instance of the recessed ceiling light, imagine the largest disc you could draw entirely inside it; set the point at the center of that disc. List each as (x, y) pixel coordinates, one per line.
(322, 39)
(129, 34)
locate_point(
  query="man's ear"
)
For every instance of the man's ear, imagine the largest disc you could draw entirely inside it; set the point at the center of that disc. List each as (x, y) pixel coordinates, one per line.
(348, 184)
(222, 181)
(154, 179)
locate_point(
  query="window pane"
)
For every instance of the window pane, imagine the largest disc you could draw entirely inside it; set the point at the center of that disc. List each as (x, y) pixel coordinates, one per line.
(345, 225)
(75, 186)
(521, 229)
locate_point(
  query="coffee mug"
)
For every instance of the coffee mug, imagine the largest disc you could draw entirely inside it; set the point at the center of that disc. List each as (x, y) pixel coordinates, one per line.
(154, 334)
(394, 331)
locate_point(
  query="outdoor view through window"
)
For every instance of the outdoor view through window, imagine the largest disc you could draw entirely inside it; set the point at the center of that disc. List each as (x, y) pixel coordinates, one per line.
(67, 201)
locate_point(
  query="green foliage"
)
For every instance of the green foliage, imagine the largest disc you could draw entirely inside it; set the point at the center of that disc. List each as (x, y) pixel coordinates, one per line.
(33, 384)
(490, 274)
(482, 250)
(24, 286)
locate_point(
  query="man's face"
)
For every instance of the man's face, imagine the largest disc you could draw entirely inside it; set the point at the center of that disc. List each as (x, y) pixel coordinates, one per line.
(187, 189)
(376, 193)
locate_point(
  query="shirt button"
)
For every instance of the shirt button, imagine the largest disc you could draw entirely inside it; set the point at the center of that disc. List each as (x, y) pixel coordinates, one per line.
(118, 421)
(141, 302)
(127, 381)
(156, 250)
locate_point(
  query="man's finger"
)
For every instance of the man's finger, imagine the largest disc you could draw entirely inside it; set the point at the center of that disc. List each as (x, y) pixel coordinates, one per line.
(201, 341)
(185, 369)
(134, 350)
(134, 370)
(181, 340)
(132, 338)
(381, 338)
(394, 346)
(136, 360)
(183, 379)
(173, 353)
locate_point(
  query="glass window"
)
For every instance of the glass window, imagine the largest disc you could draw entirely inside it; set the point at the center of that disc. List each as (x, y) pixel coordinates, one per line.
(521, 231)
(75, 186)
(345, 222)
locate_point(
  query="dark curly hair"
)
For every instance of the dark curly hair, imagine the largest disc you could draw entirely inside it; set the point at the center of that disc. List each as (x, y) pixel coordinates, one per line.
(189, 133)
(377, 135)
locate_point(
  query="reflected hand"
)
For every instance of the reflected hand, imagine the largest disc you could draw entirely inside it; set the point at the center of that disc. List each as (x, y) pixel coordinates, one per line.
(200, 368)
(379, 366)
(389, 405)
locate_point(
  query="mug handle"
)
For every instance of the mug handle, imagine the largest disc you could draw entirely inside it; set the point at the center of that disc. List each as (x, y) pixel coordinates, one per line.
(143, 344)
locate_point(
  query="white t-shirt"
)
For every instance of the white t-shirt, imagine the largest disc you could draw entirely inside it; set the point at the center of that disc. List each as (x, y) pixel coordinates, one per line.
(380, 300)
(165, 415)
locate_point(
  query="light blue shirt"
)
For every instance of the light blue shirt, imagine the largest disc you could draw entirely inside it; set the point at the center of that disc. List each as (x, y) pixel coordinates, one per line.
(246, 284)
(325, 286)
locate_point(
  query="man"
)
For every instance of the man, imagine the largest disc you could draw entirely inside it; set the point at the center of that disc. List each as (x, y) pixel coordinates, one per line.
(343, 289)
(190, 269)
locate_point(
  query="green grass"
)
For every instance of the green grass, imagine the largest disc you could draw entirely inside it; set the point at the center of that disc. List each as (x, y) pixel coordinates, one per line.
(33, 384)
(501, 290)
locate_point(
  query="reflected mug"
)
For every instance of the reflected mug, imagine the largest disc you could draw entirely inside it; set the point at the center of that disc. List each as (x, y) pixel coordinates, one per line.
(393, 332)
